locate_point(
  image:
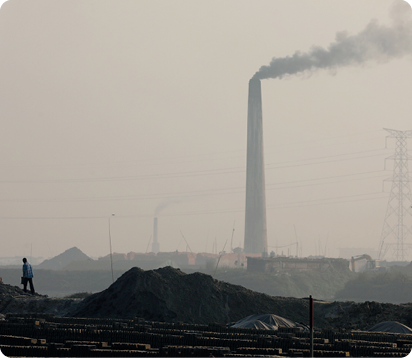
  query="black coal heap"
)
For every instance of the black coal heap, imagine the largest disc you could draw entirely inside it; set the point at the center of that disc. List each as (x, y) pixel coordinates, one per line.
(169, 295)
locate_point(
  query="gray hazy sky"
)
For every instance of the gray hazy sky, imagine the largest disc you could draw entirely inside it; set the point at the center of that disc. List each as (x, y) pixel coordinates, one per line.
(129, 107)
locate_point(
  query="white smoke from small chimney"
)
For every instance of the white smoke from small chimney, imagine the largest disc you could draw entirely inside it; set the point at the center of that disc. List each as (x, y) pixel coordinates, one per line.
(375, 43)
(164, 204)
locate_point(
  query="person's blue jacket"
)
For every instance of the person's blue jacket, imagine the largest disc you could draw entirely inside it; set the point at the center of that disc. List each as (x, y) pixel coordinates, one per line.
(27, 270)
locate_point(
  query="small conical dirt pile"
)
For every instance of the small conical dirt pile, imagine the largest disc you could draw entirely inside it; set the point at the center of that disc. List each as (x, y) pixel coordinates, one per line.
(60, 261)
(167, 294)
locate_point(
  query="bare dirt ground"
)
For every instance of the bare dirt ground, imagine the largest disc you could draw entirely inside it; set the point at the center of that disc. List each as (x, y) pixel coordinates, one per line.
(14, 300)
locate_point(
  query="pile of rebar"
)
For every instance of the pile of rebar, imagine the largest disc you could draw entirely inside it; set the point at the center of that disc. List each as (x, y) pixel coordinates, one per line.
(48, 336)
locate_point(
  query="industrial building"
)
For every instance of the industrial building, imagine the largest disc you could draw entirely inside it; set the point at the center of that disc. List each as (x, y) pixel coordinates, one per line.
(283, 263)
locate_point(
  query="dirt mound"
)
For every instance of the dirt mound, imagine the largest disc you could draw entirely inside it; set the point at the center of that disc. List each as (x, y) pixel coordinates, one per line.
(8, 291)
(15, 300)
(61, 261)
(168, 294)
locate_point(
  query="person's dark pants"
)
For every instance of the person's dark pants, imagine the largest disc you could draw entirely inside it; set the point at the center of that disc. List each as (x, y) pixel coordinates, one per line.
(30, 281)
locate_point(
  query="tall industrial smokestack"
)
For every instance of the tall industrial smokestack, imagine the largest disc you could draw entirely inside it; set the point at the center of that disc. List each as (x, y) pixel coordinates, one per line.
(255, 218)
(155, 244)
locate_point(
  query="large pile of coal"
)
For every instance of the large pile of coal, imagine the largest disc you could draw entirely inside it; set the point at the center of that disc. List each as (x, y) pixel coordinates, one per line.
(169, 295)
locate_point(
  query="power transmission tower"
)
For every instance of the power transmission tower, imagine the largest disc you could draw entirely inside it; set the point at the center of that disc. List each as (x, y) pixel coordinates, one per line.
(397, 225)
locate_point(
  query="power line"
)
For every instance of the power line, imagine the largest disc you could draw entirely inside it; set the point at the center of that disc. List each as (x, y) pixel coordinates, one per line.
(329, 177)
(217, 171)
(323, 162)
(205, 192)
(323, 145)
(279, 206)
(168, 159)
(335, 155)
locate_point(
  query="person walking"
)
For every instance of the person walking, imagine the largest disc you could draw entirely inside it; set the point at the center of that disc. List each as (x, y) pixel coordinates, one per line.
(27, 276)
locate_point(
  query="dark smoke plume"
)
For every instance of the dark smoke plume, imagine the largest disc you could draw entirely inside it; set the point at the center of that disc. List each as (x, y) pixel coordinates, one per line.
(376, 42)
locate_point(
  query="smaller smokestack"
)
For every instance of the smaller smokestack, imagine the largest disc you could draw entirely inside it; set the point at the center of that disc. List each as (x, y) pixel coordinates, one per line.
(155, 244)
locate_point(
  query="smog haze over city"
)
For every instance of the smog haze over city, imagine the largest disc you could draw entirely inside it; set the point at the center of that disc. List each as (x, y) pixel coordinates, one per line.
(139, 109)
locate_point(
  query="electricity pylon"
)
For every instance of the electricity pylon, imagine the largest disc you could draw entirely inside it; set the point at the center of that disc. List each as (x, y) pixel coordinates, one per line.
(397, 226)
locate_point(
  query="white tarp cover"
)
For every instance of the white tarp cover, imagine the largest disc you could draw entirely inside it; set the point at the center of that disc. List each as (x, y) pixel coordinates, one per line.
(391, 326)
(264, 321)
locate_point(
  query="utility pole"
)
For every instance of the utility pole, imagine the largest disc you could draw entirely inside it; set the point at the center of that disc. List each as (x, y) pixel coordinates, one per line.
(111, 255)
(398, 218)
(311, 321)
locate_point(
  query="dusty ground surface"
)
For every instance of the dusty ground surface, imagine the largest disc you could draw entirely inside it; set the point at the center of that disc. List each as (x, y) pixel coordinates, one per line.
(351, 315)
(14, 300)
(170, 295)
